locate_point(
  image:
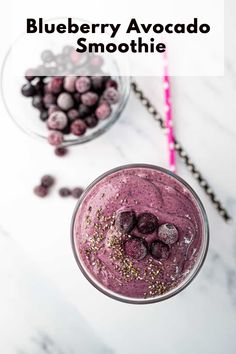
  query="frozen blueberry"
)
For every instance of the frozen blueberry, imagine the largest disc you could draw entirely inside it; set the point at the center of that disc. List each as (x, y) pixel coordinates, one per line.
(75, 57)
(47, 181)
(50, 71)
(60, 59)
(61, 151)
(83, 111)
(67, 49)
(30, 74)
(147, 223)
(78, 127)
(69, 83)
(28, 90)
(76, 97)
(66, 130)
(65, 101)
(41, 70)
(91, 121)
(64, 192)
(112, 83)
(97, 83)
(41, 191)
(73, 114)
(43, 115)
(77, 192)
(96, 61)
(103, 111)
(168, 233)
(83, 84)
(55, 85)
(125, 221)
(37, 102)
(55, 138)
(135, 248)
(89, 98)
(48, 100)
(159, 250)
(53, 108)
(39, 87)
(111, 95)
(47, 56)
(57, 120)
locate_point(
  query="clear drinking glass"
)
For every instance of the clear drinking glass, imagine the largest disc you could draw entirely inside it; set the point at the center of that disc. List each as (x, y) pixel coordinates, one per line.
(190, 276)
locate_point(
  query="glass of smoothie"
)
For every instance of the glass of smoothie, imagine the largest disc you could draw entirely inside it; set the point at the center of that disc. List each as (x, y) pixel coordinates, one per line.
(139, 234)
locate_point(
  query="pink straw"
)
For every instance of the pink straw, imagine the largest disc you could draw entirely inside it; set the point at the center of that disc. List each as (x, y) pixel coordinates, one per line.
(168, 116)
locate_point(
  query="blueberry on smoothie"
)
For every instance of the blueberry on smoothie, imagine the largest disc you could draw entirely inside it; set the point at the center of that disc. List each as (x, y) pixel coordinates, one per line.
(168, 233)
(135, 248)
(126, 221)
(159, 250)
(147, 223)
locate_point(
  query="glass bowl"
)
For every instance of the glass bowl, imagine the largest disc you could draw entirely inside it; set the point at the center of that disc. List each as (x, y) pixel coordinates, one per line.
(19, 107)
(187, 279)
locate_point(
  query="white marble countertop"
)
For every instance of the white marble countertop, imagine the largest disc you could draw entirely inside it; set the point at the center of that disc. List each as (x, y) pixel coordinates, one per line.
(46, 305)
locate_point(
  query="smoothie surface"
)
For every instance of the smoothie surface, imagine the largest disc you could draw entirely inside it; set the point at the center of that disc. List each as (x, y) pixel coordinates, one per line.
(138, 232)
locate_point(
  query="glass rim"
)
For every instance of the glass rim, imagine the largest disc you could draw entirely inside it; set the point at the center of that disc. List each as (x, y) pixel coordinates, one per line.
(187, 280)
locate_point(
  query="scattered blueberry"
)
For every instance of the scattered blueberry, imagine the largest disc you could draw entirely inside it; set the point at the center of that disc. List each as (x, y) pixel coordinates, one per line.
(64, 192)
(147, 223)
(77, 192)
(61, 151)
(126, 221)
(41, 191)
(78, 127)
(47, 181)
(135, 248)
(159, 250)
(89, 98)
(65, 101)
(168, 233)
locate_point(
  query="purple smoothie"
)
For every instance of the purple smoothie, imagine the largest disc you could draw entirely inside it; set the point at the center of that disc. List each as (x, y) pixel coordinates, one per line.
(138, 232)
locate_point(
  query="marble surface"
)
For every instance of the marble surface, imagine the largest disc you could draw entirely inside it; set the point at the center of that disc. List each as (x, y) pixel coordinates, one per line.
(46, 305)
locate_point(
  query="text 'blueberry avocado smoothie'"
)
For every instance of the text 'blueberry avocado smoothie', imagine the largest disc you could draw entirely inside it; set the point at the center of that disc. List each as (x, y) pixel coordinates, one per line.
(138, 232)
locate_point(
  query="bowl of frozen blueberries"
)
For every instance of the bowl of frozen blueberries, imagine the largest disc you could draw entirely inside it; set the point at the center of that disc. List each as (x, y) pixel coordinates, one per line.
(67, 99)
